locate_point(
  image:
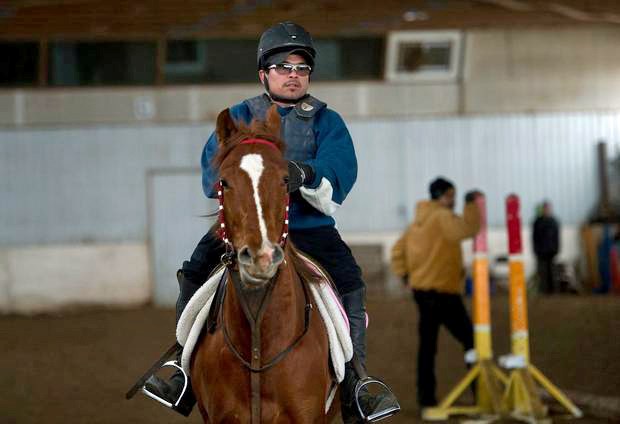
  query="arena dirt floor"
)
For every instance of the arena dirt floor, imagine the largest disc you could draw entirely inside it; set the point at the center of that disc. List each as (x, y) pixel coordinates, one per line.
(75, 367)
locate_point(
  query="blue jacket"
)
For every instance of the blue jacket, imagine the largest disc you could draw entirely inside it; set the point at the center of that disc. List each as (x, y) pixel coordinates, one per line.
(334, 164)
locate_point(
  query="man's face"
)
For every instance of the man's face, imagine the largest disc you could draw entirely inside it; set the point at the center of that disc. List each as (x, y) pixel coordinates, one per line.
(289, 86)
(448, 198)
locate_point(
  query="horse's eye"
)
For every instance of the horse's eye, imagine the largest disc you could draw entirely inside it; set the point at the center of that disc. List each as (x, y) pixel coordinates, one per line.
(285, 180)
(224, 184)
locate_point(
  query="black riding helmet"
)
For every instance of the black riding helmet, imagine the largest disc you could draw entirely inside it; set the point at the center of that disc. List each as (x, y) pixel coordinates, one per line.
(283, 39)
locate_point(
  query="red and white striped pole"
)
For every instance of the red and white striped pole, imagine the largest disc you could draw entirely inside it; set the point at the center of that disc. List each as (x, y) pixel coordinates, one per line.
(518, 295)
(521, 396)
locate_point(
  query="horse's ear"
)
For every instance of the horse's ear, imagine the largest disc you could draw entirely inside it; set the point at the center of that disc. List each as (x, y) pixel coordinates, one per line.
(225, 127)
(272, 121)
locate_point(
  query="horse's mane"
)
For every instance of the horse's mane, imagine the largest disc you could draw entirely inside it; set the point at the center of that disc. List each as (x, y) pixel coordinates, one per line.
(256, 129)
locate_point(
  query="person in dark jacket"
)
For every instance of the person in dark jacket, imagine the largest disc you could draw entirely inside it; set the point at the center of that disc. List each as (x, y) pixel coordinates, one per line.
(322, 169)
(546, 240)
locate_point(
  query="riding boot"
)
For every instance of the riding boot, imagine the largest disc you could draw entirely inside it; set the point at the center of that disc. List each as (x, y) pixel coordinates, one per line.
(204, 260)
(172, 389)
(176, 391)
(372, 404)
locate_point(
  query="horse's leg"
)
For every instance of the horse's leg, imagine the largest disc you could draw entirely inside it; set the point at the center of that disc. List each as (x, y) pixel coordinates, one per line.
(203, 412)
(209, 370)
(201, 405)
(198, 384)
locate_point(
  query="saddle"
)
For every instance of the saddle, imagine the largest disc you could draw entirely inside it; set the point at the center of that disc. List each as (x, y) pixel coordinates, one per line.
(203, 309)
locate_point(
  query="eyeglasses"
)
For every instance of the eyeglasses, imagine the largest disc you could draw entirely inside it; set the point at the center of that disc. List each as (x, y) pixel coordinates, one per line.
(302, 69)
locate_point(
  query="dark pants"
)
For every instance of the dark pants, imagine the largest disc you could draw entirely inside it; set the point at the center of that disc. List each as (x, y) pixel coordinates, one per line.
(436, 309)
(204, 259)
(546, 280)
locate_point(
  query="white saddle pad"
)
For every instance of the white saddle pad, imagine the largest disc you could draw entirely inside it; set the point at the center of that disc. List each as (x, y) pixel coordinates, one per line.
(331, 310)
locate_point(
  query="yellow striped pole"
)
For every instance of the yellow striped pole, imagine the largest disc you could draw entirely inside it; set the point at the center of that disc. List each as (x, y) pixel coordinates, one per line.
(521, 397)
(481, 306)
(488, 379)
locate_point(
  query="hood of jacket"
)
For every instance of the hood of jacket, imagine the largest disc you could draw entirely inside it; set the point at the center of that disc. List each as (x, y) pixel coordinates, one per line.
(425, 209)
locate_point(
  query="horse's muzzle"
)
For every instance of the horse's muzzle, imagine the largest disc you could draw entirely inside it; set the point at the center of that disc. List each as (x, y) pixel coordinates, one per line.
(258, 268)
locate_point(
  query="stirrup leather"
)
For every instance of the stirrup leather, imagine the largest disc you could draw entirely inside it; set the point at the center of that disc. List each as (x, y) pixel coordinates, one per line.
(174, 405)
(374, 416)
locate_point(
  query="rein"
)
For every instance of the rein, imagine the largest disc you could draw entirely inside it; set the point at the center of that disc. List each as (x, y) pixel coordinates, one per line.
(254, 303)
(255, 319)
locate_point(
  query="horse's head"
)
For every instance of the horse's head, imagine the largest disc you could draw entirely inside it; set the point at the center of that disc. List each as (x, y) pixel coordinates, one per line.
(253, 175)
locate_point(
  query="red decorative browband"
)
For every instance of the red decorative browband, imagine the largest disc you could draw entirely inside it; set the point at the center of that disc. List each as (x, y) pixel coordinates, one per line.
(259, 141)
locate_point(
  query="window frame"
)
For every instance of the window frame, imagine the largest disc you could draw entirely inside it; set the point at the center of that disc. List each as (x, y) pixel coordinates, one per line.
(395, 38)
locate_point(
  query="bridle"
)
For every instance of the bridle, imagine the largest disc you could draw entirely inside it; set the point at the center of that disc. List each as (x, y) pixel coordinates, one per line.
(253, 302)
(228, 257)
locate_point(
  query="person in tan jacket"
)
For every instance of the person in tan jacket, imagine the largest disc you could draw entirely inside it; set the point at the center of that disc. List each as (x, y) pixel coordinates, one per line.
(429, 260)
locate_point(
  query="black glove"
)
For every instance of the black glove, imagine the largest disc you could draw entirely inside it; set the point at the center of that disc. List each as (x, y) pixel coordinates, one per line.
(471, 195)
(298, 174)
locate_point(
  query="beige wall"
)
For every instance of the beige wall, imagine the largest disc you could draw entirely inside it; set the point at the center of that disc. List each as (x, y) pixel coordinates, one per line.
(203, 103)
(48, 278)
(522, 70)
(542, 70)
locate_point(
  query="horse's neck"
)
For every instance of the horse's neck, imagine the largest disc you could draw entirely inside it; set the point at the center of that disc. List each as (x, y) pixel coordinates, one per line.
(283, 315)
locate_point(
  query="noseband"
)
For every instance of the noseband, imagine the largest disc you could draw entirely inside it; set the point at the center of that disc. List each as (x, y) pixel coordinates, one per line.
(230, 250)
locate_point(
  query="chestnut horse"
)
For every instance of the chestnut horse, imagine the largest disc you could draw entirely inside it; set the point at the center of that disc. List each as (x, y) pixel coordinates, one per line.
(267, 360)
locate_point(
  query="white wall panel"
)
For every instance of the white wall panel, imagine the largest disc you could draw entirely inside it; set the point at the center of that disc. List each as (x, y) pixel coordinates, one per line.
(86, 184)
(176, 226)
(36, 279)
(550, 156)
(89, 184)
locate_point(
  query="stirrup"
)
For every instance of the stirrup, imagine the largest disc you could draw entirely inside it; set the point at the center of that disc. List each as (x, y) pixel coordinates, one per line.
(159, 399)
(387, 408)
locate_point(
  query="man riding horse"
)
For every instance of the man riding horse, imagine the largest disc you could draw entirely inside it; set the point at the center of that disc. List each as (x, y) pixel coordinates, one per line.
(322, 170)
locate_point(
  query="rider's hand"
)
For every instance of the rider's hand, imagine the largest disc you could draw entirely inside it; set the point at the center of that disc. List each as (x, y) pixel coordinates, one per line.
(299, 174)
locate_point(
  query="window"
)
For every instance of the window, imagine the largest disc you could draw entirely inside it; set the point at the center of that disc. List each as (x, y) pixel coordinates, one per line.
(210, 61)
(181, 51)
(348, 59)
(187, 61)
(423, 56)
(19, 64)
(102, 63)
(234, 61)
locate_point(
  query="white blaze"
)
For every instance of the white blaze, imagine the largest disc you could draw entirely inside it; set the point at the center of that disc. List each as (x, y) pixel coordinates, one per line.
(253, 165)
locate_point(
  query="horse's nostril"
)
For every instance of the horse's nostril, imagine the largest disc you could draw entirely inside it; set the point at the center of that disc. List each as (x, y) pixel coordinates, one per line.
(278, 254)
(244, 256)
